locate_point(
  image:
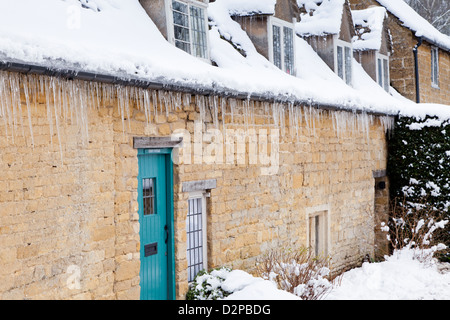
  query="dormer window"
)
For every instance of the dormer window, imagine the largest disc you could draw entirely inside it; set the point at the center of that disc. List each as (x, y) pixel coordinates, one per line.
(282, 51)
(184, 23)
(343, 61)
(190, 27)
(383, 71)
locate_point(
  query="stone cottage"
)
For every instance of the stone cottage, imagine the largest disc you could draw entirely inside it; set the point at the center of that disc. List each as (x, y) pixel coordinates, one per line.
(419, 64)
(138, 149)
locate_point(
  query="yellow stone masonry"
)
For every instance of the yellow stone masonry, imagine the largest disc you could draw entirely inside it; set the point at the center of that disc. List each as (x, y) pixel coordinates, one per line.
(69, 223)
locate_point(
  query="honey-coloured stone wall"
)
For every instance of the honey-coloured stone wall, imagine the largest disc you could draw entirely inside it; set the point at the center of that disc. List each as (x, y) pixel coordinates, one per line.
(69, 222)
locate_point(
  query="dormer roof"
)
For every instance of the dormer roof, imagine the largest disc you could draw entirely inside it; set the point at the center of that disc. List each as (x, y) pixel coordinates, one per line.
(323, 17)
(371, 30)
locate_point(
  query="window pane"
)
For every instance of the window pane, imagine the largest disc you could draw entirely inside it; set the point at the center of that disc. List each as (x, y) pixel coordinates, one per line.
(181, 34)
(181, 26)
(340, 62)
(317, 235)
(180, 19)
(380, 72)
(288, 50)
(148, 192)
(277, 46)
(434, 66)
(386, 74)
(348, 65)
(198, 31)
(178, 6)
(194, 230)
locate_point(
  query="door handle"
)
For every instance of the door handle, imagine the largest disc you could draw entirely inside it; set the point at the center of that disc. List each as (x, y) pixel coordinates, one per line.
(167, 233)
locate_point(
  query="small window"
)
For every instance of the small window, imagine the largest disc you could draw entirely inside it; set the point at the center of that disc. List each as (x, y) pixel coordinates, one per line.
(348, 65)
(288, 50)
(196, 254)
(340, 62)
(383, 78)
(344, 59)
(148, 187)
(435, 66)
(380, 72)
(282, 53)
(277, 47)
(318, 233)
(386, 74)
(190, 28)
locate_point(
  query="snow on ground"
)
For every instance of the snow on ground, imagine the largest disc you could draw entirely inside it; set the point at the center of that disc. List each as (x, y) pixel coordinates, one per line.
(400, 277)
(246, 287)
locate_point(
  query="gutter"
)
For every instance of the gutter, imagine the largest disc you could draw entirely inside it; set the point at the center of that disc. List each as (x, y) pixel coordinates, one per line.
(71, 74)
(416, 67)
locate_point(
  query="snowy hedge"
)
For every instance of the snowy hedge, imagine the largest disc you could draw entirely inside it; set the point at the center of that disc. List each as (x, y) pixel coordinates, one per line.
(419, 158)
(419, 164)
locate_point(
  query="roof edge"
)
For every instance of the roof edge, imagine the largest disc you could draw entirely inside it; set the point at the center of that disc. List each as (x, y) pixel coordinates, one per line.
(71, 74)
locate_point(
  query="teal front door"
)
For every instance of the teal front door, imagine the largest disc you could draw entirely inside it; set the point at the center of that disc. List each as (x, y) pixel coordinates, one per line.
(154, 198)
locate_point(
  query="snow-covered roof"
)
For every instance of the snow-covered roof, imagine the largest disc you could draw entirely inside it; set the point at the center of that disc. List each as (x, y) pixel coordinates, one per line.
(116, 37)
(369, 28)
(419, 25)
(322, 17)
(249, 7)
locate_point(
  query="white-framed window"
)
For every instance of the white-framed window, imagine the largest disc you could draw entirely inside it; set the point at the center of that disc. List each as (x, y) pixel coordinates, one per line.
(343, 59)
(189, 28)
(435, 67)
(383, 77)
(196, 236)
(318, 230)
(281, 44)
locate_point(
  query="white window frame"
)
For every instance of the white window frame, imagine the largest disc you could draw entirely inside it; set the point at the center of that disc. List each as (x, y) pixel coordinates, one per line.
(170, 25)
(323, 214)
(281, 23)
(340, 43)
(194, 195)
(435, 61)
(383, 57)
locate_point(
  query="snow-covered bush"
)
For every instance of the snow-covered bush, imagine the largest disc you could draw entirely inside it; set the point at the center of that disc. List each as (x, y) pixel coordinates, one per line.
(208, 285)
(298, 272)
(419, 153)
(414, 228)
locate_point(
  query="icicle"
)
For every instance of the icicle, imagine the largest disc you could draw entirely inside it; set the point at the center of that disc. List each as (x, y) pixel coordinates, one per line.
(223, 107)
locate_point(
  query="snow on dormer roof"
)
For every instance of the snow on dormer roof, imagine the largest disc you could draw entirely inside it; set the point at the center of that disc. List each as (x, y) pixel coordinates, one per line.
(369, 28)
(320, 17)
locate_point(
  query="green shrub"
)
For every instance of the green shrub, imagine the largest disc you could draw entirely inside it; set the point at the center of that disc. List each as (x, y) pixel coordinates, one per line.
(419, 167)
(207, 285)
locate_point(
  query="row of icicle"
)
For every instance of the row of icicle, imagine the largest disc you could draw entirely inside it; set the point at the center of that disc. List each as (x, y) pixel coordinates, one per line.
(70, 100)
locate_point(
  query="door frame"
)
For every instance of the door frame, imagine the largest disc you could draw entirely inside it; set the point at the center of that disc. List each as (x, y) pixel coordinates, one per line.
(167, 152)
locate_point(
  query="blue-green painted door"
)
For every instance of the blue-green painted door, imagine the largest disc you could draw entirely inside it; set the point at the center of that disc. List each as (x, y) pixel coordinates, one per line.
(154, 228)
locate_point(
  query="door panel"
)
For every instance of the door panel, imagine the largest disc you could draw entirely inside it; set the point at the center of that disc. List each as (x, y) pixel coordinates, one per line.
(152, 197)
